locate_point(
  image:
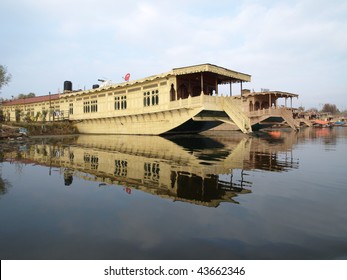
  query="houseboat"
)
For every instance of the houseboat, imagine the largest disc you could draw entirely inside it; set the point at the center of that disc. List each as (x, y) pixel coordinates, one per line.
(183, 100)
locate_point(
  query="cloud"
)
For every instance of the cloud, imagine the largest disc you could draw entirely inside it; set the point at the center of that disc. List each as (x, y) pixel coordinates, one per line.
(285, 45)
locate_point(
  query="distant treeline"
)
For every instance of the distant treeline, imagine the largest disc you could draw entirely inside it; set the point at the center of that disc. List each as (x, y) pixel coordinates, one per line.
(327, 108)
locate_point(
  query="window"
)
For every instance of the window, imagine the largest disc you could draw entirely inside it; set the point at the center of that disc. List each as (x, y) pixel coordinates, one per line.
(86, 107)
(146, 99)
(94, 162)
(71, 109)
(91, 161)
(155, 97)
(120, 102)
(151, 98)
(94, 106)
(152, 171)
(121, 168)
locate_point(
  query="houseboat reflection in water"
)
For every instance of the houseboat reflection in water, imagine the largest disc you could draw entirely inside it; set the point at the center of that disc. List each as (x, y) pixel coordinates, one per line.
(196, 169)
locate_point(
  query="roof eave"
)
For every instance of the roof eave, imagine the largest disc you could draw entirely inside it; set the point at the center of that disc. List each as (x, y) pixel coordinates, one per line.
(229, 76)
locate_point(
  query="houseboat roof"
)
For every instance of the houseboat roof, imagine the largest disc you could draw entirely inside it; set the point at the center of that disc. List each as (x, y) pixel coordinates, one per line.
(29, 100)
(272, 92)
(224, 76)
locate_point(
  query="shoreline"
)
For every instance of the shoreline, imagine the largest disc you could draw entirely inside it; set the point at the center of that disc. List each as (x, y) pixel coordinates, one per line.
(13, 131)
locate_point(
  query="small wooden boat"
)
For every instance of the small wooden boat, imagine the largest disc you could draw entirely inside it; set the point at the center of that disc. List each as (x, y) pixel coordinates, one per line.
(340, 123)
(321, 123)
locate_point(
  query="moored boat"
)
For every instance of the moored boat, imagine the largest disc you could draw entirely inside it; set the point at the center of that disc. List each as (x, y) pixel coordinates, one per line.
(340, 123)
(183, 100)
(321, 123)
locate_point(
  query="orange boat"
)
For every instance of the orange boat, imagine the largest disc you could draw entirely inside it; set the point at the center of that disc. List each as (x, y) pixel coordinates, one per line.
(321, 123)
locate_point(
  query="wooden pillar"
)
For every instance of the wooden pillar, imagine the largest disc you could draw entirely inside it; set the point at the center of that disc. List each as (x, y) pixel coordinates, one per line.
(270, 100)
(189, 88)
(231, 88)
(241, 88)
(176, 89)
(216, 89)
(202, 83)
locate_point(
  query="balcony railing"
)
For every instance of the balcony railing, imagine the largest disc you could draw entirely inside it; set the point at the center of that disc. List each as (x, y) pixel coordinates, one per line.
(209, 102)
(268, 111)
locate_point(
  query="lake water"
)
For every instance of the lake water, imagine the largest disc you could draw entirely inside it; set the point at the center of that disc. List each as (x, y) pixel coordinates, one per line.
(281, 195)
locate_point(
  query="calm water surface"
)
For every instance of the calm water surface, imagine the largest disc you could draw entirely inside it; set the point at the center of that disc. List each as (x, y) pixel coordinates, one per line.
(281, 195)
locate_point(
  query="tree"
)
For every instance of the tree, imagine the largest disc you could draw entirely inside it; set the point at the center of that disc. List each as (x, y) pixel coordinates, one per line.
(22, 95)
(330, 108)
(5, 77)
(313, 109)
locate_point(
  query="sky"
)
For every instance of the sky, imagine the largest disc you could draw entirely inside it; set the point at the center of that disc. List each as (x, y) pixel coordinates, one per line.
(297, 46)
